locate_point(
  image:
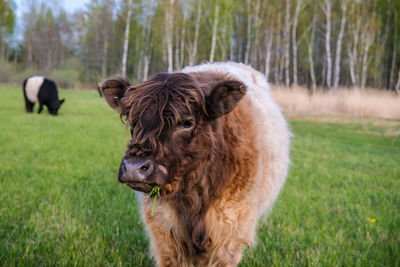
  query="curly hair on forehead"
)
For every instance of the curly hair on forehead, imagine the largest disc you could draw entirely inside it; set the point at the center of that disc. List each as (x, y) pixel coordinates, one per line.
(160, 102)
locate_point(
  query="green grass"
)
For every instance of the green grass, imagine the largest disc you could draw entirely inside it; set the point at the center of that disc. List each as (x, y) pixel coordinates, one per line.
(61, 204)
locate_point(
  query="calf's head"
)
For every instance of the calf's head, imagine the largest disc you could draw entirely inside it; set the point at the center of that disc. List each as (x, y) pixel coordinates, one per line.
(170, 118)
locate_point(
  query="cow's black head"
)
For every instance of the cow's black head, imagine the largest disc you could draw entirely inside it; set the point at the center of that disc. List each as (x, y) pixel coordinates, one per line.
(55, 106)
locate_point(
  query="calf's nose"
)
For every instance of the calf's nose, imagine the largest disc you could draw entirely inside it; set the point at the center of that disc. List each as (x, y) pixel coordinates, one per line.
(135, 170)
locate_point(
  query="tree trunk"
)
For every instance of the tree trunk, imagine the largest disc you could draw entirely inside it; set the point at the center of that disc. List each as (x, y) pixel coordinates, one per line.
(105, 54)
(352, 60)
(383, 79)
(312, 71)
(294, 41)
(126, 38)
(149, 44)
(255, 52)
(394, 53)
(248, 41)
(327, 11)
(353, 55)
(393, 66)
(139, 68)
(310, 54)
(177, 47)
(278, 47)
(30, 57)
(323, 73)
(2, 43)
(146, 67)
(268, 45)
(182, 44)
(214, 32)
(232, 47)
(223, 43)
(168, 35)
(287, 43)
(367, 44)
(397, 87)
(193, 54)
(339, 45)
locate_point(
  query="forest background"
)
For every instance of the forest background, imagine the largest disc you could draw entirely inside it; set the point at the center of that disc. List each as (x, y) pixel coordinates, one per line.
(318, 44)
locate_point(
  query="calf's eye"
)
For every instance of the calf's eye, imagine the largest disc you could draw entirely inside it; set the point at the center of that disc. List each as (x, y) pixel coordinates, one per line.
(186, 124)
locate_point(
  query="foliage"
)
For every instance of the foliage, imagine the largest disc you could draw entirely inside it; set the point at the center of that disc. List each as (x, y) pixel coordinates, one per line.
(7, 17)
(61, 203)
(19, 77)
(66, 78)
(47, 37)
(6, 71)
(166, 35)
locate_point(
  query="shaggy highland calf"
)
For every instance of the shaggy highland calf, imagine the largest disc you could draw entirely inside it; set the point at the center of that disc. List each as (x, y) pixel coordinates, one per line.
(218, 146)
(42, 90)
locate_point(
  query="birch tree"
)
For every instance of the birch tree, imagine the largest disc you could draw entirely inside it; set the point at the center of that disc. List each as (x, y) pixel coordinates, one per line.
(369, 29)
(105, 21)
(278, 44)
(310, 49)
(268, 46)
(193, 52)
(183, 36)
(294, 40)
(393, 57)
(286, 37)
(397, 87)
(169, 34)
(255, 53)
(126, 38)
(214, 32)
(339, 44)
(248, 32)
(352, 49)
(367, 38)
(327, 8)
(268, 35)
(148, 11)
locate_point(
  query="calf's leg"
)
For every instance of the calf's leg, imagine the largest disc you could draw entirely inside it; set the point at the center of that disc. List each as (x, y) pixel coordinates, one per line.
(165, 248)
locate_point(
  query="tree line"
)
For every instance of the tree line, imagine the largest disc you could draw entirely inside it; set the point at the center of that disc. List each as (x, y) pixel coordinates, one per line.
(313, 43)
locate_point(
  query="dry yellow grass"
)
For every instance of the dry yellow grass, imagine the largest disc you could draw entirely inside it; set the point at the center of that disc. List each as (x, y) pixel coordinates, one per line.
(355, 102)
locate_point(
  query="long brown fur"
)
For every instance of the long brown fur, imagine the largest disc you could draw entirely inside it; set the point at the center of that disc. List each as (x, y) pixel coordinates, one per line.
(208, 167)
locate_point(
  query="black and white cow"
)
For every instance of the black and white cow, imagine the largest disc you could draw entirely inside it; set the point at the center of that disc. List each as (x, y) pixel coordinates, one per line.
(42, 90)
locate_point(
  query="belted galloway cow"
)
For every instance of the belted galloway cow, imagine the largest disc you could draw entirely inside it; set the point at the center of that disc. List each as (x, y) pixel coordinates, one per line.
(42, 90)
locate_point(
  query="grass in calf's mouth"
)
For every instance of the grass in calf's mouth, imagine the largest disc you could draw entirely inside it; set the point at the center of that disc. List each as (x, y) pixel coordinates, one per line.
(155, 191)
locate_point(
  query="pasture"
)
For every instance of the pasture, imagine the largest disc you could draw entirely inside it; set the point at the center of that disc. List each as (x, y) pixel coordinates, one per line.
(61, 204)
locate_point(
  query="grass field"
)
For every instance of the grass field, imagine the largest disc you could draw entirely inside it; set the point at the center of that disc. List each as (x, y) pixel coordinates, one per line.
(61, 204)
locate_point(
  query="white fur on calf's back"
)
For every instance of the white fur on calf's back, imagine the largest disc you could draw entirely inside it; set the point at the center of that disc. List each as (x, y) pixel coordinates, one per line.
(32, 87)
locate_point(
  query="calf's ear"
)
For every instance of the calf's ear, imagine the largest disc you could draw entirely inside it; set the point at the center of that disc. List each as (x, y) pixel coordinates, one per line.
(224, 97)
(62, 101)
(113, 90)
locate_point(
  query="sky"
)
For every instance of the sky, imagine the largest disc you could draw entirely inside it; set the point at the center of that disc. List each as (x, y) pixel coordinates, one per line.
(69, 5)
